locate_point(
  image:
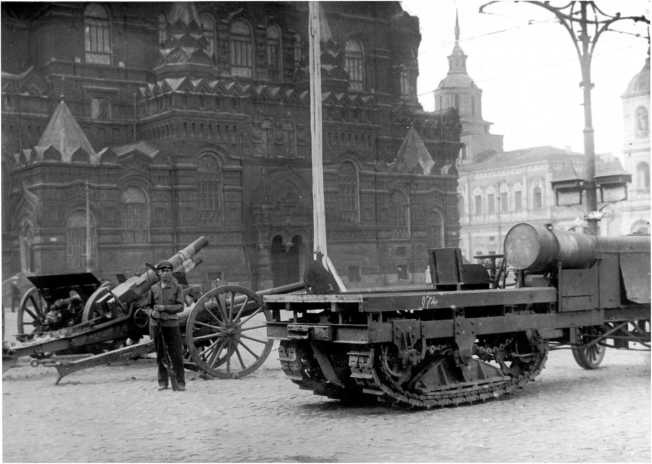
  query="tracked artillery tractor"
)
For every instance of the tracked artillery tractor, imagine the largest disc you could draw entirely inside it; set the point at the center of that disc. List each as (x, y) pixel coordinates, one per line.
(468, 337)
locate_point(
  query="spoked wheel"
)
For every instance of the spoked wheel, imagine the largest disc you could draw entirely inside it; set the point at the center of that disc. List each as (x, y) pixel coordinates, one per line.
(31, 314)
(92, 307)
(589, 356)
(96, 312)
(225, 332)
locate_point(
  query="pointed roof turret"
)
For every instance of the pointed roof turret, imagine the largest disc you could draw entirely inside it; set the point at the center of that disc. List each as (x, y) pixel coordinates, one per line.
(413, 153)
(184, 12)
(64, 134)
(184, 52)
(457, 75)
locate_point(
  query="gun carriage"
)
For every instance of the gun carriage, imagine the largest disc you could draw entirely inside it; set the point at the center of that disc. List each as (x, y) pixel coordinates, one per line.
(54, 302)
(108, 315)
(466, 337)
(224, 329)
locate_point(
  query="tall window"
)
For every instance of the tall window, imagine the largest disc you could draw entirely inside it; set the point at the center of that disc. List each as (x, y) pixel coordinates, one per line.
(76, 240)
(162, 29)
(491, 204)
(297, 52)
(405, 83)
(642, 123)
(135, 217)
(348, 191)
(503, 202)
(242, 60)
(643, 176)
(537, 198)
(274, 52)
(209, 189)
(97, 35)
(518, 201)
(354, 64)
(100, 108)
(208, 28)
(400, 213)
(478, 205)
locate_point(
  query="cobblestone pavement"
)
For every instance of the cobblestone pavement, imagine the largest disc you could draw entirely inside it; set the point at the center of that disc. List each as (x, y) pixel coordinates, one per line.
(115, 414)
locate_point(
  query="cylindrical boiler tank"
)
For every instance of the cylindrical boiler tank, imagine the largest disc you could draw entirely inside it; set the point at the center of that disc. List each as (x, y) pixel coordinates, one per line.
(536, 248)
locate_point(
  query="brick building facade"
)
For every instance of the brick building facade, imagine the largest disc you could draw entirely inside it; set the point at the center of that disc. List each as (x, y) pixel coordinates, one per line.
(150, 124)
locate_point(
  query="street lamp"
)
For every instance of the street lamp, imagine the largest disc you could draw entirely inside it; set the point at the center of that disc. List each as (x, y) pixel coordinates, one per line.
(585, 22)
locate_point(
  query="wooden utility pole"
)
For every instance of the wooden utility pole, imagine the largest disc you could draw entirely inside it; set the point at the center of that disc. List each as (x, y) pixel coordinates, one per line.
(319, 211)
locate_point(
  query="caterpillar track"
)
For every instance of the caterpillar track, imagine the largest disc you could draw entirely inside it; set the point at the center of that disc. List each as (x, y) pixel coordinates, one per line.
(375, 373)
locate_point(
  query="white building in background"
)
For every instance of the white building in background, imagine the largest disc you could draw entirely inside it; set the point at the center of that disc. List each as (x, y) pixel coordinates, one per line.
(633, 215)
(498, 189)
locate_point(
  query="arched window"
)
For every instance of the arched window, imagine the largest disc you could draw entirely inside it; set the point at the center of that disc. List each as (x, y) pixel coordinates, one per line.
(297, 52)
(347, 187)
(274, 58)
(537, 198)
(477, 199)
(209, 189)
(518, 200)
(436, 228)
(208, 28)
(400, 213)
(405, 83)
(25, 244)
(97, 35)
(162, 29)
(76, 246)
(242, 60)
(354, 64)
(643, 176)
(135, 217)
(642, 123)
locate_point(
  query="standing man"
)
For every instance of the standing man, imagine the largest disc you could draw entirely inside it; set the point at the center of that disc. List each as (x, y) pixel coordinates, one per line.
(165, 301)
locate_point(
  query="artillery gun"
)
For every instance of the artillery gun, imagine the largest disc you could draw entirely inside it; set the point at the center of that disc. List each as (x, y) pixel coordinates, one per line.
(466, 338)
(110, 315)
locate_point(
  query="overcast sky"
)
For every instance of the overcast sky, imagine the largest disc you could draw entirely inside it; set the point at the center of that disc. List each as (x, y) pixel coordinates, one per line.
(530, 73)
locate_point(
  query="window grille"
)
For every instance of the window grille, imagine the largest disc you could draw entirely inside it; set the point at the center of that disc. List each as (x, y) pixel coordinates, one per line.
(97, 35)
(274, 53)
(135, 216)
(209, 189)
(354, 64)
(241, 50)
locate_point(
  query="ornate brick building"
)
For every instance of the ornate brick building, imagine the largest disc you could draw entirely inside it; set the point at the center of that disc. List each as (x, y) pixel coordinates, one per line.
(147, 125)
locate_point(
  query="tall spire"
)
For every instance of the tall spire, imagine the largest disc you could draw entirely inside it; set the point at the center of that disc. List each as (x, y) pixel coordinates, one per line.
(457, 59)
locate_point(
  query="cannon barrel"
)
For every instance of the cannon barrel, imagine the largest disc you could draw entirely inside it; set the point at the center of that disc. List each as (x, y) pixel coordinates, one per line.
(536, 248)
(135, 287)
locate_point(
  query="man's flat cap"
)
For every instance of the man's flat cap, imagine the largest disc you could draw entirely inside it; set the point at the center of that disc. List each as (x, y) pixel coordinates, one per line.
(164, 265)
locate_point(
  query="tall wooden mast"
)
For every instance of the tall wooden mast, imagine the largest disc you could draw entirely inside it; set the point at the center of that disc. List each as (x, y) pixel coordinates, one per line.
(320, 252)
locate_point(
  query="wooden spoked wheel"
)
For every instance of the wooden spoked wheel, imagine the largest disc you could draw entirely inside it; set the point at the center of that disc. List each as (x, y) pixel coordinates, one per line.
(93, 308)
(589, 357)
(96, 312)
(31, 314)
(226, 334)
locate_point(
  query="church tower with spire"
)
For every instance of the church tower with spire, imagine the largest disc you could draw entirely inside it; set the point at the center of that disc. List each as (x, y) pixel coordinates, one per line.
(457, 90)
